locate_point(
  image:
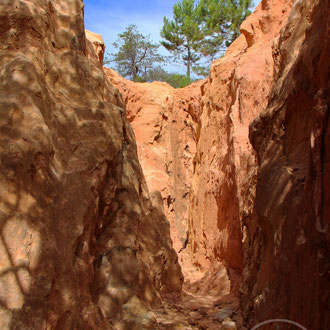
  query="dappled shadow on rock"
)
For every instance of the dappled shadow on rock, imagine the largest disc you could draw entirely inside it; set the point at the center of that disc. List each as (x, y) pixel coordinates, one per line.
(75, 209)
(289, 247)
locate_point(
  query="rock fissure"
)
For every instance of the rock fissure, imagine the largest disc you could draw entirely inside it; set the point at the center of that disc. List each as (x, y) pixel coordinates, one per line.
(139, 206)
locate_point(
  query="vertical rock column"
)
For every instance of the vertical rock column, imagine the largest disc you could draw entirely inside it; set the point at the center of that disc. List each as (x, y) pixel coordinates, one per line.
(164, 120)
(287, 272)
(223, 185)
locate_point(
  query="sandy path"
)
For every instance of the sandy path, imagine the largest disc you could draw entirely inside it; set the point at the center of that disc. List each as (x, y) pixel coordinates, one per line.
(205, 304)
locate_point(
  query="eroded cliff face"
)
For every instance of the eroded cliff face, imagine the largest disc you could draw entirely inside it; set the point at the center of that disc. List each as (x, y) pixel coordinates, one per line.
(164, 120)
(223, 184)
(82, 242)
(258, 204)
(259, 197)
(84, 245)
(287, 268)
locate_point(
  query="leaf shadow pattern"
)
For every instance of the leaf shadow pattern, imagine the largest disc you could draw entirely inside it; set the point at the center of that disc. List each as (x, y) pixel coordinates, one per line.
(63, 139)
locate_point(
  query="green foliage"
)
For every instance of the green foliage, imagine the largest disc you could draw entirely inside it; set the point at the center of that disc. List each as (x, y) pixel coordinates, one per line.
(203, 30)
(183, 34)
(197, 31)
(221, 23)
(174, 79)
(178, 80)
(202, 70)
(136, 53)
(139, 79)
(157, 73)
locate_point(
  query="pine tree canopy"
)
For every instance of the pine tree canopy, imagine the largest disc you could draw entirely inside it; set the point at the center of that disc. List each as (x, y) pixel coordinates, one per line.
(203, 29)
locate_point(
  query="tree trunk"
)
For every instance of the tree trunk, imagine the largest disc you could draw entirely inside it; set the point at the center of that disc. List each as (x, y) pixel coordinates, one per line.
(133, 69)
(188, 63)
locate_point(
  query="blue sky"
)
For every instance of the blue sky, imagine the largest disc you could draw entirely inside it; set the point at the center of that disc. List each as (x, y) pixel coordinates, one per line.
(110, 17)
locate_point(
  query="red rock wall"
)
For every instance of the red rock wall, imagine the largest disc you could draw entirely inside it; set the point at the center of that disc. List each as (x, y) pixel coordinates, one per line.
(82, 243)
(261, 210)
(164, 120)
(287, 268)
(223, 184)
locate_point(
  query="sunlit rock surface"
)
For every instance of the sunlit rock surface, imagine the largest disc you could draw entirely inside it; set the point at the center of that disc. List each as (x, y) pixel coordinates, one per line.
(223, 185)
(82, 243)
(164, 120)
(261, 209)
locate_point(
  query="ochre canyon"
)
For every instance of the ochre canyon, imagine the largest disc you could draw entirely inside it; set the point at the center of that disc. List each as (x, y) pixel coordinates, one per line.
(139, 206)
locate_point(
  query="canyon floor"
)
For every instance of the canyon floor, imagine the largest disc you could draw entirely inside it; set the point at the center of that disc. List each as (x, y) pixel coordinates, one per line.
(199, 310)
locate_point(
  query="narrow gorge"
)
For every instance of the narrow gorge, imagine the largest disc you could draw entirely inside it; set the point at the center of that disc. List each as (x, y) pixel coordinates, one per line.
(130, 205)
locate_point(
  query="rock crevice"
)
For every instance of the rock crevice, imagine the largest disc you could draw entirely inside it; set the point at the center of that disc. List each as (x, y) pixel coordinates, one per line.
(235, 176)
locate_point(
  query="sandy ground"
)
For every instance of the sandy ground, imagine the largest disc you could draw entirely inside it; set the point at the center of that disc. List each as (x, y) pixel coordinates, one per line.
(205, 304)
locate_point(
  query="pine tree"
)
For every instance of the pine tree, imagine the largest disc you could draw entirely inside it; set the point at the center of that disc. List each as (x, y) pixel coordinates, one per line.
(183, 34)
(136, 53)
(203, 30)
(221, 23)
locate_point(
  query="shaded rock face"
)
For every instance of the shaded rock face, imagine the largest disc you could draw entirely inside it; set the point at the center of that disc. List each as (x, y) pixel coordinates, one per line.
(164, 120)
(287, 269)
(82, 243)
(263, 210)
(224, 180)
(259, 196)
